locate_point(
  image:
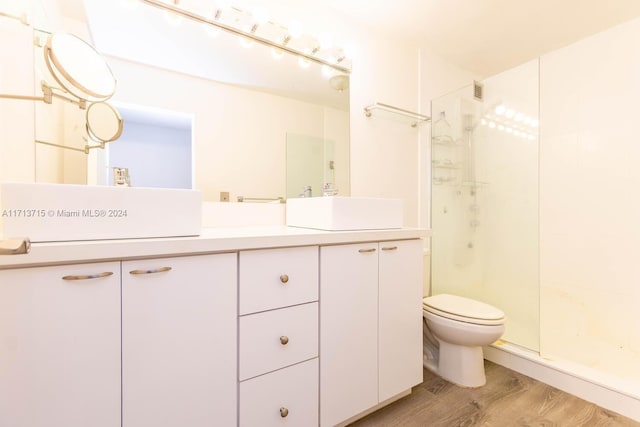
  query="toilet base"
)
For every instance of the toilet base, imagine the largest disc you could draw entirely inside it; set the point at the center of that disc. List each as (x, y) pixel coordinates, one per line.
(461, 365)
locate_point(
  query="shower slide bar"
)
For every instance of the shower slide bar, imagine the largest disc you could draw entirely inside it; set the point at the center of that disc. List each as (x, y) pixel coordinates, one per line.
(417, 118)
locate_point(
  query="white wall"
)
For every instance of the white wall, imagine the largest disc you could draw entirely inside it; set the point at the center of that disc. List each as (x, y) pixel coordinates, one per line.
(16, 116)
(589, 206)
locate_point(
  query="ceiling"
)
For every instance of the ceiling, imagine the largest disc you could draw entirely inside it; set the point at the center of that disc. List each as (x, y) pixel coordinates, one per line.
(488, 36)
(482, 36)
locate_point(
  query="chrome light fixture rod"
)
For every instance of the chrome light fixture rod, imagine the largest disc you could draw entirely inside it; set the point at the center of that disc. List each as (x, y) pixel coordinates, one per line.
(24, 18)
(252, 36)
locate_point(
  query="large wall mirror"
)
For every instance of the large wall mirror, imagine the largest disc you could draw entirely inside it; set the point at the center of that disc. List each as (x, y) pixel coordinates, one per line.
(203, 110)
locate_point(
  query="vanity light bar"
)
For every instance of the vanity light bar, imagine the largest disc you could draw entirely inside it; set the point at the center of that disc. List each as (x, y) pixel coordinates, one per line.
(248, 35)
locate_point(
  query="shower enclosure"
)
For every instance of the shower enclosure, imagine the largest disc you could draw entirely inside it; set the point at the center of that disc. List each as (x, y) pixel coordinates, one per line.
(484, 210)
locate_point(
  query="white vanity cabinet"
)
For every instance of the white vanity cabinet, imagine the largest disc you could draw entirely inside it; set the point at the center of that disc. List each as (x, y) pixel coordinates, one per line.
(60, 346)
(267, 327)
(278, 341)
(370, 323)
(179, 338)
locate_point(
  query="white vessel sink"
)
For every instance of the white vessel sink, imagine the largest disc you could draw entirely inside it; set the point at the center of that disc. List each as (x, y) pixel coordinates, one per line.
(344, 213)
(64, 212)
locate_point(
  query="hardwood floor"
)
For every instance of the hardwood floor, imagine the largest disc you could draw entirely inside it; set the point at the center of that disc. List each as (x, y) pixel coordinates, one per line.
(508, 399)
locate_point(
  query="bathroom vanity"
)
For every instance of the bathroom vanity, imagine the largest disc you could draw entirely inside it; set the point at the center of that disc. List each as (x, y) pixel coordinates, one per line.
(242, 326)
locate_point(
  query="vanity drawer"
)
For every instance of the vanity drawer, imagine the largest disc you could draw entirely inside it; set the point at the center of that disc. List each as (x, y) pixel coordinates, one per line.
(275, 278)
(288, 396)
(278, 338)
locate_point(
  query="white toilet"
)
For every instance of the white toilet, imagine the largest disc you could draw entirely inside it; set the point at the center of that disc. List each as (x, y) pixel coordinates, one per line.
(456, 329)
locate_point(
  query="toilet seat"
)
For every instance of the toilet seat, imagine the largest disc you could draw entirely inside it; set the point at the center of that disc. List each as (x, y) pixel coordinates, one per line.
(463, 309)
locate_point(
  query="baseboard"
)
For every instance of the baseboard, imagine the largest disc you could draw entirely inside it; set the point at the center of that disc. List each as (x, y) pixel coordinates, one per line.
(562, 376)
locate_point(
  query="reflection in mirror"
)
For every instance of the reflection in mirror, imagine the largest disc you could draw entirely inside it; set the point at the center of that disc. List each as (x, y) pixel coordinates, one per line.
(310, 165)
(63, 132)
(104, 123)
(243, 102)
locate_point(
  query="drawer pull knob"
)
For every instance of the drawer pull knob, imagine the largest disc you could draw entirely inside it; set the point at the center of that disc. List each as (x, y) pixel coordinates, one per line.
(284, 340)
(152, 271)
(366, 251)
(284, 278)
(284, 412)
(390, 248)
(88, 276)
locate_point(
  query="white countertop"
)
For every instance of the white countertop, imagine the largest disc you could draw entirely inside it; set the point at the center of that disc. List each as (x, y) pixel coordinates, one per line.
(210, 240)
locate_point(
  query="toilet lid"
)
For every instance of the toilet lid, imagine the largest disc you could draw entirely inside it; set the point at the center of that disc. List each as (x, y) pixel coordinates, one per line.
(461, 308)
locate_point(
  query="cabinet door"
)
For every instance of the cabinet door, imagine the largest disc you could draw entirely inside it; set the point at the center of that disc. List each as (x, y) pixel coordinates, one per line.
(400, 317)
(60, 346)
(179, 349)
(348, 331)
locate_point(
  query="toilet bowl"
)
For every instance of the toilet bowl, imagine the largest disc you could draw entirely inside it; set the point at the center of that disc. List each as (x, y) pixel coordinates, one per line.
(456, 329)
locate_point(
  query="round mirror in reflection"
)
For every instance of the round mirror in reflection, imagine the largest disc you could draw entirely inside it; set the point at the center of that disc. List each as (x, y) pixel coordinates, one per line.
(104, 123)
(79, 68)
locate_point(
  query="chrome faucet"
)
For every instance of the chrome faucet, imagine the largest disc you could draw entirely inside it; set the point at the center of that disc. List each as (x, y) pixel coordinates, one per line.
(306, 191)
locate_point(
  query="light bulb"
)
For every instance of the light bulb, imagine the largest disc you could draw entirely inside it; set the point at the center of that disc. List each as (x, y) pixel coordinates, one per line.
(260, 15)
(509, 130)
(327, 71)
(349, 50)
(509, 113)
(535, 123)
(501, 109)
(519, 117)
(500, 127)
(492, 125)
(245, 42)
(223, 4)
(483, 122)
(325, 40)
(295, 29)
(277, 53)
(303, 62)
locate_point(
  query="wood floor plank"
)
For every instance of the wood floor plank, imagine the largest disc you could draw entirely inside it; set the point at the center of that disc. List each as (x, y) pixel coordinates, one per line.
(509, 399)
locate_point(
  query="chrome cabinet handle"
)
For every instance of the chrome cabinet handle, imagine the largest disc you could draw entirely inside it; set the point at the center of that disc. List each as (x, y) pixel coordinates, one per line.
(365, 251)
(284, 412)
(284, 278)
(15, 246)
(284, 340)
(152, 271)
(390, 248)
(88, 276)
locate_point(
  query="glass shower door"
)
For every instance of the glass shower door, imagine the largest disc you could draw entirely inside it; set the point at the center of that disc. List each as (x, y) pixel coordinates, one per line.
(484, 207)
